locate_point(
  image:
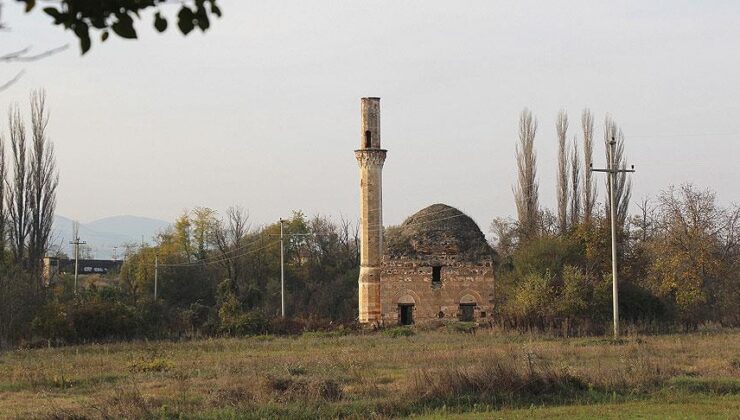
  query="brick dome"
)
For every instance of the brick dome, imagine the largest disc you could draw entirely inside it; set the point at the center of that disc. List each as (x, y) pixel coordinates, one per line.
(438, 230)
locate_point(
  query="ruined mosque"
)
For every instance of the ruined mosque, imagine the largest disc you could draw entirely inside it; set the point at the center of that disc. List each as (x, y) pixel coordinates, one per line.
(436, 265)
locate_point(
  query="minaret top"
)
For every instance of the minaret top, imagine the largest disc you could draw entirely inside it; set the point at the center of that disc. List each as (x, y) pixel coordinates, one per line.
(370, 126)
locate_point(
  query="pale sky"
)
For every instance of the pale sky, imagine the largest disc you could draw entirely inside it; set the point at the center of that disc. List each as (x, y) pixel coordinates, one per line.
(263, 110)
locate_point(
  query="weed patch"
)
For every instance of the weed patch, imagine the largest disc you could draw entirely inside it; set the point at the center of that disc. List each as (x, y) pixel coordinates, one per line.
(396, 332)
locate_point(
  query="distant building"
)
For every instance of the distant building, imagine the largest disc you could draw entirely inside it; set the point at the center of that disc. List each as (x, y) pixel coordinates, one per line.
(54, 267)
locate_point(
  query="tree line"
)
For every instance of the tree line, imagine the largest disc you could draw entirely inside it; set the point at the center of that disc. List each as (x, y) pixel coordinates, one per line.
(219, 274)
(678, 256)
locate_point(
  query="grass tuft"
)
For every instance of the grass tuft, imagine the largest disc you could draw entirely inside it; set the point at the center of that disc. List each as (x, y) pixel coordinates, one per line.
(396, 332)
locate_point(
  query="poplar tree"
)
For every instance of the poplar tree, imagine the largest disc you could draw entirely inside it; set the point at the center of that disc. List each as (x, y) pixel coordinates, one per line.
(526, 192)
(589, 187)
(562, 129)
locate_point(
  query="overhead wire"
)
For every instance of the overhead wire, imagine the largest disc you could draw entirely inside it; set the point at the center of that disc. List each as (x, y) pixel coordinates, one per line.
(221, 258)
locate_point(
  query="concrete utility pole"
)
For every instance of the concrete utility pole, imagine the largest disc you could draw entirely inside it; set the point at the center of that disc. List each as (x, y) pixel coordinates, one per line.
(282, 263)
(282, 271)
(156, 273)
(77, 244)
(612, 170)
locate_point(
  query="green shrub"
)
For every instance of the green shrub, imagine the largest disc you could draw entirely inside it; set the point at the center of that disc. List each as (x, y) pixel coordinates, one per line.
(396, 332)
(463, 327)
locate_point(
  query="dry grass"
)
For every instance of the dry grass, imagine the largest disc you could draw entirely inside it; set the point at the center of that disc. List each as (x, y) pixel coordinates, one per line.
(331, 376)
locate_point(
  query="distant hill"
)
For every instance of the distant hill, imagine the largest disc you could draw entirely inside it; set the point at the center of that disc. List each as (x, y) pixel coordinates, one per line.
(104, 234)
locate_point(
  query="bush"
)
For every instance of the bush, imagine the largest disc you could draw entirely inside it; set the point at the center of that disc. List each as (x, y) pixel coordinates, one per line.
(103, 320)
(396, 332)
(463, 327)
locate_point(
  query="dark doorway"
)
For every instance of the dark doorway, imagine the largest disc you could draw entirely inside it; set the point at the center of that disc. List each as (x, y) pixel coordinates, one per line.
(368, 139)
(467, 312)
(406, 314)
(436, 277)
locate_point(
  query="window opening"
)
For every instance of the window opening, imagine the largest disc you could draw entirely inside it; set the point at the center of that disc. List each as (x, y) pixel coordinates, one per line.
(368, 139)
(436, 277)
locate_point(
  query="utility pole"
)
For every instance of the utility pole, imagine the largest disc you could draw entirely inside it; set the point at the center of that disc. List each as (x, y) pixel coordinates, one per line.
(612, 170)
(156, 274)
(77, 244)
(282, 263)
(282, 271)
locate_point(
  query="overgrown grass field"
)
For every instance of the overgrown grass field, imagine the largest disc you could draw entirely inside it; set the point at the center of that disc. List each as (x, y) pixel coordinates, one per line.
(430, 374)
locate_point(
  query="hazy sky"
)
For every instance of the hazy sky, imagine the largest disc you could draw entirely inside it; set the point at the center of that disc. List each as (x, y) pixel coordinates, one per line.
(263, 109)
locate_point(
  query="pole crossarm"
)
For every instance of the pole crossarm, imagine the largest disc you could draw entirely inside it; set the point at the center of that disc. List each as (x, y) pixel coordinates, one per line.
(613, 171)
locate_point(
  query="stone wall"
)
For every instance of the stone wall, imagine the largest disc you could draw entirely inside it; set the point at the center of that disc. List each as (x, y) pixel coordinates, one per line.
(409, 280)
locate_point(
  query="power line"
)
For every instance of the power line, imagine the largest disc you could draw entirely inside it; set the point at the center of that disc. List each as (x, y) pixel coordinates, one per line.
(219, 260)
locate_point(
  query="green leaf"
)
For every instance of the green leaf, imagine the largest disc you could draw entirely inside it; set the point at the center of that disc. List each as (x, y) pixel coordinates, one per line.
(160, 23)
(85, 44)
(30, 4)
(124, 27)
(56, 14)
(203, 22)
(215, 10)
(185, 20)
(83, 33)
(104, 36)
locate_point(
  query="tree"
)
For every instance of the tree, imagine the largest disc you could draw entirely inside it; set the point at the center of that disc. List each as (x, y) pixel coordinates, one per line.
(526, 193)
(230, 240)
(30, 196)
(575, 183)
(104, 16)
(42, 185)
(17, 198)
(561, 127)
(3, 211)
(589, 187)
(622, 184)
(695, 254)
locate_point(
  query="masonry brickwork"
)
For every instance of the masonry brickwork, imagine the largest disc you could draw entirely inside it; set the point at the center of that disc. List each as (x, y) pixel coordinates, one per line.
(370, 158)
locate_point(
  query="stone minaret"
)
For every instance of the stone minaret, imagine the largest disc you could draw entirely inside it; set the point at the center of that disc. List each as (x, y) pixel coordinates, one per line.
(370, 158)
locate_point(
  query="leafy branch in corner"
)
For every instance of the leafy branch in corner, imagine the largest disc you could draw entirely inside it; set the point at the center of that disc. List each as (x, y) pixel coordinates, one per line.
(82, 16)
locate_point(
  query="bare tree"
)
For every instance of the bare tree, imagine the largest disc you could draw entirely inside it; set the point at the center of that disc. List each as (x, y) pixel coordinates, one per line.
(562, 129)
(23, 55)
(589, 187)
(43, 182)
(3, 180)
(229, 240)
(575, 182)
(526, 192)
(622, 184)
(17, 198)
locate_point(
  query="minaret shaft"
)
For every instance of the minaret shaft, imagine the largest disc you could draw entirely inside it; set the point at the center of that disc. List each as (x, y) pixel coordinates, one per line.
(370, 158)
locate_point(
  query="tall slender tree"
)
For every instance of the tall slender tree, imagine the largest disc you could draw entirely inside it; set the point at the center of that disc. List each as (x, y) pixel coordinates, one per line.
(589, 187)
(3, 211)
(622, 184)
(17, 198)
(526, 192)
(42, 184)
(561, 127)
(575, 183)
